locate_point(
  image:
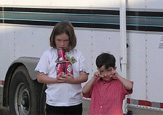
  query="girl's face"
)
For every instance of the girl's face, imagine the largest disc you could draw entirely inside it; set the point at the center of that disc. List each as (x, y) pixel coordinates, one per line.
(62, 40)
(106, 74)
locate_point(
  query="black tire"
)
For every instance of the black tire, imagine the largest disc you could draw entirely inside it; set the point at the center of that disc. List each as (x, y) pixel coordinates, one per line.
(43, 100)
(22, 94)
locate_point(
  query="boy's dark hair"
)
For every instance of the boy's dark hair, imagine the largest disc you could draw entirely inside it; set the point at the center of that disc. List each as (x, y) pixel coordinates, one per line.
(105, 59)
(60, 28)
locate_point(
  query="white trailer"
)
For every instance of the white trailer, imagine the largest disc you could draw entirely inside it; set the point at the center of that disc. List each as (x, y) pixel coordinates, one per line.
(131, 30)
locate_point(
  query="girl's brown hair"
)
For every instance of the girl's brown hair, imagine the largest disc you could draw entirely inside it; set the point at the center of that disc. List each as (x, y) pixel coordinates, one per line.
(60, 28)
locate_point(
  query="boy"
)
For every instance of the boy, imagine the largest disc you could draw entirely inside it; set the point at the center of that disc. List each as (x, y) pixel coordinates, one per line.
(106, 88)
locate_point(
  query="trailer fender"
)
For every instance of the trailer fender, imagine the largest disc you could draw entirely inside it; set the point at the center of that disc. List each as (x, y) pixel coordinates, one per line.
(21, 77)
(29, 62)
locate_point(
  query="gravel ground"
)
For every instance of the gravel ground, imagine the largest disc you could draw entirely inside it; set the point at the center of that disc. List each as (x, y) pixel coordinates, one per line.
(4, 111)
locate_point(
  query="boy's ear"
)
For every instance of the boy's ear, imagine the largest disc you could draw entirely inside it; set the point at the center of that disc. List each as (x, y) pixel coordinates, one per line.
(115, 68)
(98, 68)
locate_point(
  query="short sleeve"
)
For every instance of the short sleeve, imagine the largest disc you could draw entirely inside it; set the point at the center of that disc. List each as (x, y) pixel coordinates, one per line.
(88, 95)
(42, 65)
(127, 92)
(83, 66)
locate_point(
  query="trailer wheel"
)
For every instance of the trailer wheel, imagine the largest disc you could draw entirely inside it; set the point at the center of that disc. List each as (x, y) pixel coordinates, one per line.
(43, 100)
(22, 94)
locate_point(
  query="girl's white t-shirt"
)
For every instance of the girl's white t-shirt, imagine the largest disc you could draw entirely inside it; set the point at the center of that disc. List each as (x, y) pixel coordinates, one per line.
(62, 94)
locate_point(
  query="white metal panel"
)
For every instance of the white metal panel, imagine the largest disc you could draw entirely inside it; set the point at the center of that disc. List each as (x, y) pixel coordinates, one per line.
(105, 3)
(137, 64)
(94, 42)
(136, 4)
(145, 4)
(84, 40)
(155, 68)
(31, 40)
(25, 3)
(154, 4)
(6, 52)
(17, 41)
(34, 40)
(63, 3)
(106, 41)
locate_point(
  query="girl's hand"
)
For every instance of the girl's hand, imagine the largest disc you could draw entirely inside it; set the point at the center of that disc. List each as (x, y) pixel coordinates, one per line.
(69, 78)
(61, 78)
(65, 78)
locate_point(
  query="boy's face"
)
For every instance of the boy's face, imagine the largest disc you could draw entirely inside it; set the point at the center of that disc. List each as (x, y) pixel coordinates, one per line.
(106, 74)
(62, 40)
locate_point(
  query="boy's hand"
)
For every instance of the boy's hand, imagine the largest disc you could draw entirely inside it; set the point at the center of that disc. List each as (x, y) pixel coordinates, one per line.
(97, 75)
(114, 74)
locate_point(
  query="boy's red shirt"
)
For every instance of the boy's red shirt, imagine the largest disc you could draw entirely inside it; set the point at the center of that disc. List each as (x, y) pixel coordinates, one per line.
(107, 98)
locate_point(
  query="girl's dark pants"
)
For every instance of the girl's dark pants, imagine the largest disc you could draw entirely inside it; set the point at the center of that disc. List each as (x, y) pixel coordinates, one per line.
(64, 110)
